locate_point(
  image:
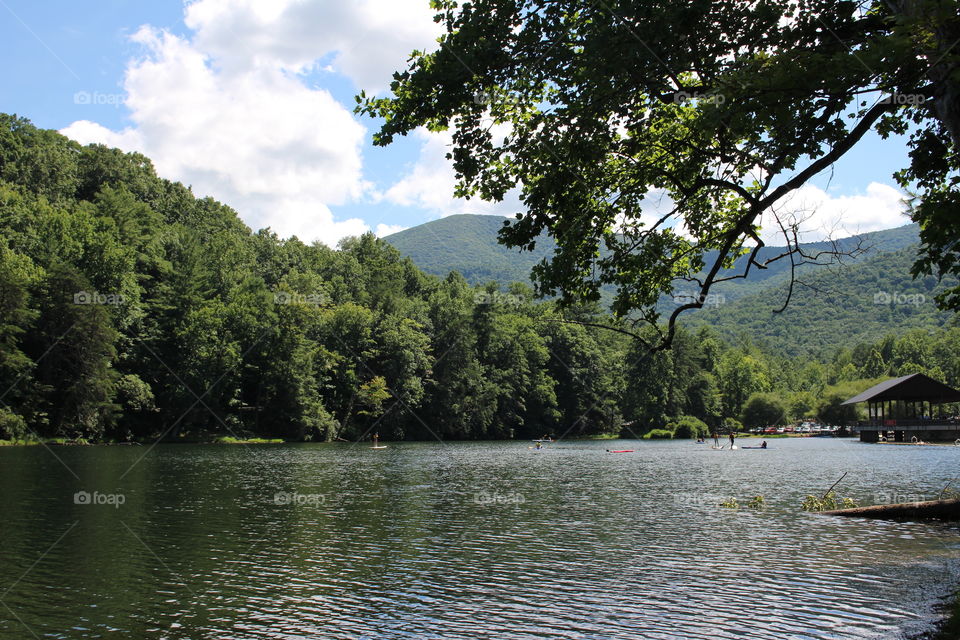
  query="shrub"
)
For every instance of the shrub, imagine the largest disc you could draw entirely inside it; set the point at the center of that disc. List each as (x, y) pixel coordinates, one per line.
(732, 424)
(688, 427)
(658, 434)
(12, 426)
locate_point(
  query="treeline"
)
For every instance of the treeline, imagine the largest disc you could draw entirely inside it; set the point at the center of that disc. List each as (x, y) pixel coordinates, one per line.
(130, 309)
(732, 386)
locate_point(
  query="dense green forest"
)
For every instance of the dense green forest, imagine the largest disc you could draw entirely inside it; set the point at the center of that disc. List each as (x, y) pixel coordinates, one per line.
(834, 307)
(133, 310)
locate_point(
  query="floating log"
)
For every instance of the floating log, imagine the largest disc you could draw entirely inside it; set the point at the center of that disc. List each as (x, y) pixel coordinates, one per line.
(927, 510)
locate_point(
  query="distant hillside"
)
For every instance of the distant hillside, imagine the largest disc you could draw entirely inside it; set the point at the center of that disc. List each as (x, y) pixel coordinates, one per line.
(870, 245)
(468, 244)
(838, 311)
(842, 306)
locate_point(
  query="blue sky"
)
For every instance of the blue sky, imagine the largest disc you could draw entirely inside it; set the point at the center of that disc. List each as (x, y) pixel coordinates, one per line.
(251, 102)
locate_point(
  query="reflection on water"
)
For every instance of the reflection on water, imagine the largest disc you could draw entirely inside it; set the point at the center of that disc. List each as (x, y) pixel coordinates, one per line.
(473, 540)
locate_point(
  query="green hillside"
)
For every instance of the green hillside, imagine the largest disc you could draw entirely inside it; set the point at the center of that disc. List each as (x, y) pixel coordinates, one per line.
(121, 293)
(467, 243)
(833, 307)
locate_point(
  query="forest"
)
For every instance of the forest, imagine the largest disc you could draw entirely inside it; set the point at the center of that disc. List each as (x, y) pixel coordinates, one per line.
(131, 310)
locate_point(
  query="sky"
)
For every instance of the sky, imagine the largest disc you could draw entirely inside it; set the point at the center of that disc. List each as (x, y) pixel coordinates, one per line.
(251, 102)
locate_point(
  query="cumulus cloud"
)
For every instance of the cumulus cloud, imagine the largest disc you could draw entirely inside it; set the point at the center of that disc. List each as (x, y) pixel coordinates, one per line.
(231, 109)
(430, 182)
(228, 110)
(822, 215)
(388, 229)
(364, 39)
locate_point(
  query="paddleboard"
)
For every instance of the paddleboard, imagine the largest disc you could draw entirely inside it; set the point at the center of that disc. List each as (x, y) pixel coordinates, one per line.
(619, 450)
(753, 447)
(380, 447)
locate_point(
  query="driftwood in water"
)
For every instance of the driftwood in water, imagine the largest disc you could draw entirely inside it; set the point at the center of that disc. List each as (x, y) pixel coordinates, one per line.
(930, 509)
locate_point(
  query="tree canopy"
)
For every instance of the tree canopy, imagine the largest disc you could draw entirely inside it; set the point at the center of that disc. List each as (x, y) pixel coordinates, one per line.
(721, 107)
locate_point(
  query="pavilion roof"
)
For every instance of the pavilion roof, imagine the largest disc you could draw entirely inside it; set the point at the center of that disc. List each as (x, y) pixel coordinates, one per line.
(912, 388)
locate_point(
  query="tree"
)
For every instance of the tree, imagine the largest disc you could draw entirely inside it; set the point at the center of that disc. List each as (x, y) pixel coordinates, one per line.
(688, 427)
(740, 375)
(588, 380)
(832, 411)
(763, 410)
(515, 359)
(73, 347)
(593, 110)
(460, 401)
(17, 275)
(801, 404)
(704, 398)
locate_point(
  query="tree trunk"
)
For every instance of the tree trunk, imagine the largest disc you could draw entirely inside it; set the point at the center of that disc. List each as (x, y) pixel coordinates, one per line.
(931, 509)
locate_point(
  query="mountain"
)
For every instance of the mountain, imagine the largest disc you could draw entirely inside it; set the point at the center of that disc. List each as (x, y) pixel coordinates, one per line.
(468, 243)
(833, 307)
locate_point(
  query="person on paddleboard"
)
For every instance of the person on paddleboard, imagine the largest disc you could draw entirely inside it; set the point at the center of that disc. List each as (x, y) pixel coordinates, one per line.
(763, 445)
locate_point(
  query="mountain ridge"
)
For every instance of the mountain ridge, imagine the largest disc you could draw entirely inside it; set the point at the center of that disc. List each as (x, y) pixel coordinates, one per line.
(467, 243)
(831, 306)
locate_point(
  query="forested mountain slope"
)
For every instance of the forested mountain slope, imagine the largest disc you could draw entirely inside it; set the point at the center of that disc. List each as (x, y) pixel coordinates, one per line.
(832, 307)
(467, 243)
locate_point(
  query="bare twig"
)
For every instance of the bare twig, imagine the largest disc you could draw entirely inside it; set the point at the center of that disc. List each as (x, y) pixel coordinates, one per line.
(824, 497)
(940, 497)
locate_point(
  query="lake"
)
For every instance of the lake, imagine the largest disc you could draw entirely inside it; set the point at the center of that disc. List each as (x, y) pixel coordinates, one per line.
(468, 540)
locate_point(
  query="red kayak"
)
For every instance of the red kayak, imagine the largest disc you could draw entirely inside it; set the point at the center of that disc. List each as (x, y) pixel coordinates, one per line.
(620, 451)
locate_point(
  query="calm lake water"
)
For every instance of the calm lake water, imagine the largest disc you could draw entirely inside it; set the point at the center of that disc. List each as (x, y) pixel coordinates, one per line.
(468, 540)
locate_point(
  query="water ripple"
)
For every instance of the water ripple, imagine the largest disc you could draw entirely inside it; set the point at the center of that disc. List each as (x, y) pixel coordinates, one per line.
(479, 540)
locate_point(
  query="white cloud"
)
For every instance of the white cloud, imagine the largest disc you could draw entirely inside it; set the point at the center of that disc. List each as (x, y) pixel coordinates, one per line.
(430, 183)
(366, 39)
(387, 229)
(822, 215)
(227, 110)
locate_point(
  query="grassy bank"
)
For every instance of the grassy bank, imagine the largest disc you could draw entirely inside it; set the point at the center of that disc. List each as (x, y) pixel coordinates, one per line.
(32, 442)
(28, 442)
(232, 440)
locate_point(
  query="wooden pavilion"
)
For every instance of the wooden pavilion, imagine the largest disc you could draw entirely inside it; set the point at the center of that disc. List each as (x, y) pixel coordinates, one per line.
(908, 407)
